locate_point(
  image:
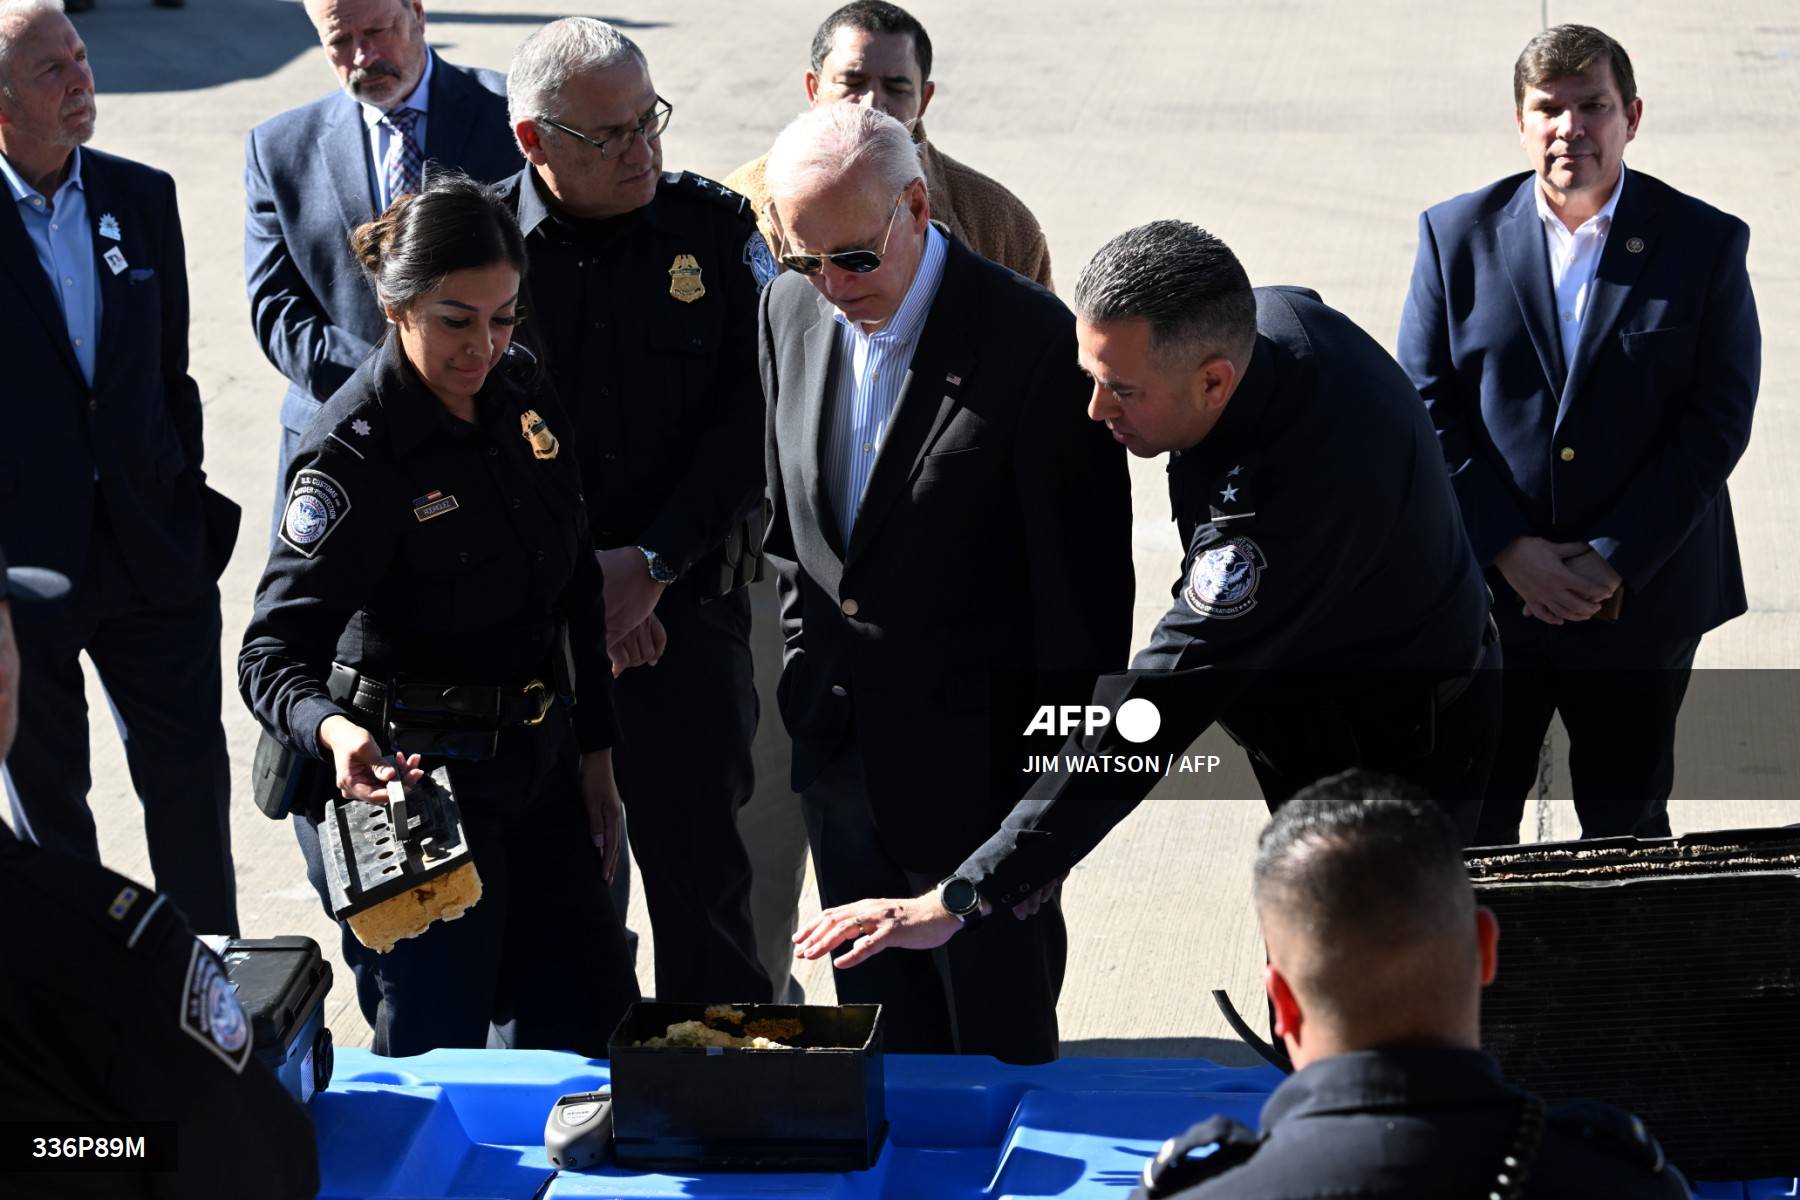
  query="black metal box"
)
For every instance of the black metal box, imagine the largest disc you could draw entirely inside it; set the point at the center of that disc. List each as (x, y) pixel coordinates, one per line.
(818, 1107)
(1661, 976)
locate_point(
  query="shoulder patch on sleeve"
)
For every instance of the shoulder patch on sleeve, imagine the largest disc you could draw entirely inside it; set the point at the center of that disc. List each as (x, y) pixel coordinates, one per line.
(1204, 1152)
(210, 1012)
(1222, 581)
(316, 506)
(757, 257)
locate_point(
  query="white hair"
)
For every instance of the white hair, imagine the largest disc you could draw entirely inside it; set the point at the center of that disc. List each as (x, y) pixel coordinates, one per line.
(831, 141)
(13, 16)
(546, 61)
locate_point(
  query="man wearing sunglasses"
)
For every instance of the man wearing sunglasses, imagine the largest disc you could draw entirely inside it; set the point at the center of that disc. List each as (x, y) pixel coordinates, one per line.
(641, 302)
(948, 531)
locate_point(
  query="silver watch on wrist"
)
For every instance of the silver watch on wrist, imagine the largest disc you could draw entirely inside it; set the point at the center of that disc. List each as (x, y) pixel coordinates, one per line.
(660, 570)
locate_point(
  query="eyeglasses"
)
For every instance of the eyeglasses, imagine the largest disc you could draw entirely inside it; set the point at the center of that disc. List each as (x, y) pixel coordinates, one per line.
(612, 146)
(857, 262)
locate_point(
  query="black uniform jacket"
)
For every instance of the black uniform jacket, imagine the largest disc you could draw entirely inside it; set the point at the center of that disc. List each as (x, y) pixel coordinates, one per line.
(647, 324)
(1325, 555)
(992, 545)
(419, 546)
(112, 1011)
(1414, 1123)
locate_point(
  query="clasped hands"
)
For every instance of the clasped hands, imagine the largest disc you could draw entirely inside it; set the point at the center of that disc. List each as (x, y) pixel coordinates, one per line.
(634, 637)
(1559, 581)
(871, 926)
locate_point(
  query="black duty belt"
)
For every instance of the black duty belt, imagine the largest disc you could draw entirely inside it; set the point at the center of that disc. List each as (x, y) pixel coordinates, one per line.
(1449, 690)
(457, 720)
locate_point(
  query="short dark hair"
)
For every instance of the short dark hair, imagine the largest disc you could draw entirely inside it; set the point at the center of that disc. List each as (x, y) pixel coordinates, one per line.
(1565, 50)
(873, 16)
(1362, 856)
(453, 224)
(1184, 281)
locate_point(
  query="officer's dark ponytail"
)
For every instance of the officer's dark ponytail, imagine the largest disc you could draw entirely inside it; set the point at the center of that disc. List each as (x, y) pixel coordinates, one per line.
(455, 224)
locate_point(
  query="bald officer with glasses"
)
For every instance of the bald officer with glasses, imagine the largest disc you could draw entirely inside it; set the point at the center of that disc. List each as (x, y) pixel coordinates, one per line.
(641, 296)
(952, 537)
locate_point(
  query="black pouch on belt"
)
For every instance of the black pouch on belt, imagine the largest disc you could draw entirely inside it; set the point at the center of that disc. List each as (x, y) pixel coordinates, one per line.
(739, 561)
(280, 779)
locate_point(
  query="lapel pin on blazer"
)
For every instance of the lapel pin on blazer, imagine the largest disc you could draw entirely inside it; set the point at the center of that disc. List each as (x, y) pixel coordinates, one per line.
(115, 260)
(1635, 245)
(109, 226)
(953, 380)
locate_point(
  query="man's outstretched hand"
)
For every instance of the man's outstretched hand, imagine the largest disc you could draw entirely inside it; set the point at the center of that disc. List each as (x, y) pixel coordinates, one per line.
(922, 923)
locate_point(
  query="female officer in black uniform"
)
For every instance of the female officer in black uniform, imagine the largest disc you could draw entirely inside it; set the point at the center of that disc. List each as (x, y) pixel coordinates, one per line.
(434, 539)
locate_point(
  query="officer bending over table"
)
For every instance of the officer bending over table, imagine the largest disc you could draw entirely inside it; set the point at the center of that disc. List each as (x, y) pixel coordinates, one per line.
(1377, 958)
(1329, 613)
(433, 546)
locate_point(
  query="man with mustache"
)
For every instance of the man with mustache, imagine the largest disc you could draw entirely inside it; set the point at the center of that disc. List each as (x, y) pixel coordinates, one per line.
(314, 173)
(101, 479)
(1587, 343)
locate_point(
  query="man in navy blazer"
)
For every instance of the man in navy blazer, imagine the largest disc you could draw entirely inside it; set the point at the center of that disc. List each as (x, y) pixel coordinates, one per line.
(101, 479)
(1587, 343)
(314, 173)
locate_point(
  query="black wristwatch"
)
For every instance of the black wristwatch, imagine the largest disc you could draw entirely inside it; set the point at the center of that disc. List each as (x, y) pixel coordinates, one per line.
(960, 900)
(660, 570)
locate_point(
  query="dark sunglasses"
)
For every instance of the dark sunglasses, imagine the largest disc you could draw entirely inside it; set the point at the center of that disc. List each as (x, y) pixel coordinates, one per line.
(857, 262)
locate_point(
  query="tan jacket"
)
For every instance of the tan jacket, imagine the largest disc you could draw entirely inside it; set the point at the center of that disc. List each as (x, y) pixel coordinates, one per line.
(981, 213)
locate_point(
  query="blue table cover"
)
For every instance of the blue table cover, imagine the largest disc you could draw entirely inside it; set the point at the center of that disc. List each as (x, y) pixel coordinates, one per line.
(470, 1124)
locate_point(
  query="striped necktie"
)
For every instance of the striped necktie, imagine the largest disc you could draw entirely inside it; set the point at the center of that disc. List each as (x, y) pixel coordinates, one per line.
(402, 169)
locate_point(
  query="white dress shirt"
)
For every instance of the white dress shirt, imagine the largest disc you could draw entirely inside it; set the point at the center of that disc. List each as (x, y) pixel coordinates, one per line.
(380, 135)
(1574, 257)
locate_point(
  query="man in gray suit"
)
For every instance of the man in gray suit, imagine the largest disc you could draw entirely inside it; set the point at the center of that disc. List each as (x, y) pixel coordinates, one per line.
(952, 537)
(314, 173)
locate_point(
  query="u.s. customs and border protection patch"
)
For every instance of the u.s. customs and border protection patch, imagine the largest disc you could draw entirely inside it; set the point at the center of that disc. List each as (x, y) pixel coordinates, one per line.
(316, 505)
(761, 262)
(1222, 582)
(684, 279)
(210, 1012)
(543, 443)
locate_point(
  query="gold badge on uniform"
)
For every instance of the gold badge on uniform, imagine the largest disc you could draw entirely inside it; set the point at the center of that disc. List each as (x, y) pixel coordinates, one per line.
(684, 279)
(543, 442)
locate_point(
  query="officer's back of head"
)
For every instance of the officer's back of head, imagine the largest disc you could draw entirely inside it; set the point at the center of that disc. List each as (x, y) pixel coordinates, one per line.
(1377, 957)
(1373, 932)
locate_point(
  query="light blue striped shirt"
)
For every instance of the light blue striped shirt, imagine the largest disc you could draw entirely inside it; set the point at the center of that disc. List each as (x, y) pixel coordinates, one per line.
(381, 134)
(871, 369)
(63, 237)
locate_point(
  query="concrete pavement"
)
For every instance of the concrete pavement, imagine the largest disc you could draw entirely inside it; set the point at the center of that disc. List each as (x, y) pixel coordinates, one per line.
(1307, 134)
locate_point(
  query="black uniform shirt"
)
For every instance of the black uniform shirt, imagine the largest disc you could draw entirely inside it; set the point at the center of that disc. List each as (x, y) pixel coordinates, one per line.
(112, 1011)
(1324, 549)
(647, 324)
(1413, 1122)
(418, 545)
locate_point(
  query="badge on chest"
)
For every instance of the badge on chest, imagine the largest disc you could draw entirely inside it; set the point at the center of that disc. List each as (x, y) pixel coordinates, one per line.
(543, 443)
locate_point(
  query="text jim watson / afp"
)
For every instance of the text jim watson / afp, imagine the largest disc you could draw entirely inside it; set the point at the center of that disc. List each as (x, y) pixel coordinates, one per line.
(1122, 764)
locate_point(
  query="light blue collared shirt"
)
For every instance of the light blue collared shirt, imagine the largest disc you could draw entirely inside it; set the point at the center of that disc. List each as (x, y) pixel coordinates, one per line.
(872, 367)
(380, 135)
(63, 237)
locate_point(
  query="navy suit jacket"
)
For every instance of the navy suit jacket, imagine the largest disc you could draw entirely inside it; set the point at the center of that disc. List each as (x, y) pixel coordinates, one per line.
(1628, 446)
(307, 187)
(138, 426)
